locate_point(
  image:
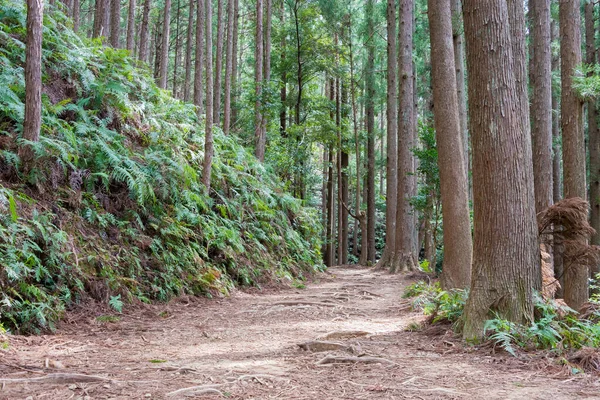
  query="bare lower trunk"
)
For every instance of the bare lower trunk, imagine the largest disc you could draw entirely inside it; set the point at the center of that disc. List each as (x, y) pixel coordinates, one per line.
(218, 64)
(131, 27)
(33, 80)
(189, 54)
(164, 47)
(458, 247)
(229, 60)
(144, 31)
(259, 150)
(506, 254)
(370, 109)
(208, 141)
(199, 62)
(115, 23)
(576, 276)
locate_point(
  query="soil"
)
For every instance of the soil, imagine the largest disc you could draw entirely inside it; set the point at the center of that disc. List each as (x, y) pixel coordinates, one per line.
(352, 325)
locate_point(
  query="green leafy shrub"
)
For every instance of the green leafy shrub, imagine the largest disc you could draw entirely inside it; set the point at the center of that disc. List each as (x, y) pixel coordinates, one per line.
(440, 305)
(113, 208)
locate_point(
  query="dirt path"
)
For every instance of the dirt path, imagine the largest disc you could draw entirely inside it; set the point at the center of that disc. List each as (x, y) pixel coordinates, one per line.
(246, 347)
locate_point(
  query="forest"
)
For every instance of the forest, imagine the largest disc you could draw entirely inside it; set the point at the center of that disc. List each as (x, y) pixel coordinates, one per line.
(301, 199)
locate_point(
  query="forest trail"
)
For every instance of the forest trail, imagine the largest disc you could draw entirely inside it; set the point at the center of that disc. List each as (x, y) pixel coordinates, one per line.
(246, 347)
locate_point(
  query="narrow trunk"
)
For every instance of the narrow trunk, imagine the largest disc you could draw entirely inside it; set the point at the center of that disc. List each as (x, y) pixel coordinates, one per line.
(199, 61)
(33, 80)
(218, 63)
(76, 15)
(370, 108)
(266, 67)
(144, 31)
(234, 69)
(259, 150)
(593, 134)
(576, 276)
(187, 92)
(208, 141)
(459, 65)
(115, 23)
(505, 250)
(131, 27)
(404, 258)
(391, 190)
(283, 95)
(229, 61)
(100, 20)
(458, 247)
(177, 48)
(164, 47)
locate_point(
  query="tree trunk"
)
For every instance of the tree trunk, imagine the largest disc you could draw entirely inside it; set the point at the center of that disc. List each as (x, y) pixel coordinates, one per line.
(370, 109)
(358, 223)
(459, 65)
(593, 134)
(576, 276)
(164, 47)
(131, 27)
(541, 103)
(199, 61)
(100, 20)
(76, 15)
(266, 68)
(329, 249)
(218, 64)
(234, 69)
(208, 141)
(404, 258)
(506, 253)
(143, 54)
(229, 61)
(177, 48)
(391, 190)
(187, 92)
(258, 82)
(283, 91)
(33, 80)
(115, 23)
(458, 247)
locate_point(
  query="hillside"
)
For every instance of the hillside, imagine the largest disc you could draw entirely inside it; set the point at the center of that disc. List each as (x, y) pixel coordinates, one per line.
(113, 209)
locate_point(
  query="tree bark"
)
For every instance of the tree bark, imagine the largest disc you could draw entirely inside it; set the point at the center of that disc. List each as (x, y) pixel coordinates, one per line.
(218, 64)
(187, 90)
(505, 252)
(370, 109)
(229, 60)
(131, 27)
(33, 80)
(76, 15)
(115, 23)
(593, 134)
(234, 69)
(143, 53)
(576, 276)
(177, 48)
(208, 141)
(199, 61)
(458, 246)
(100, 20)
(164, 47)
(266, 68)
(404, 258)
(259, 151)
(283, 90)
(391, 190)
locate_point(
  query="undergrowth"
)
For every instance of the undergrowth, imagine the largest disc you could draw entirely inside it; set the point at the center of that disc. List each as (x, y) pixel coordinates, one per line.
(557, 328)
(113, 208)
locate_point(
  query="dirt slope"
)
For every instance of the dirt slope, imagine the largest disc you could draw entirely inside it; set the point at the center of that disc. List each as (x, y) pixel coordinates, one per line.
(246, 347)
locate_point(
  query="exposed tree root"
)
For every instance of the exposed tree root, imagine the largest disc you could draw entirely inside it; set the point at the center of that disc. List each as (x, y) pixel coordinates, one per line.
(341, 335)
(318, 346)
(304, 303)
(212, 388)
(59, 379)
(351, 360)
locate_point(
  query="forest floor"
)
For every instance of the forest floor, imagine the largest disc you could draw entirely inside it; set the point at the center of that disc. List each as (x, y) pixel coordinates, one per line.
(246, 347)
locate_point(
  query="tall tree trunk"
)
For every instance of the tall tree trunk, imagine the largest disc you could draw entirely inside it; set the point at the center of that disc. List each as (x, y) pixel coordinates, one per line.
(355, 128)
(283, 91)
(404, 258)
(458, 247)
(459, 65)
(33, 79)
(155, 57)
(593, 133)
(164, 47)
(344, 183)
(177, 48)
(76, 15)
(266, 68)
(576, 276)
(187, 92)
(131, 27)
(370, 108)
(259, 150)
(199, 61)
(505, 252)
(229, 61)
(330, 245)
(100, 20)
(234, 69)
(391, 190)
(115, 23)
(298, 107)
(208, 141)
(218, 64)
(144, 31)
(541, 103)
(556, 166)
